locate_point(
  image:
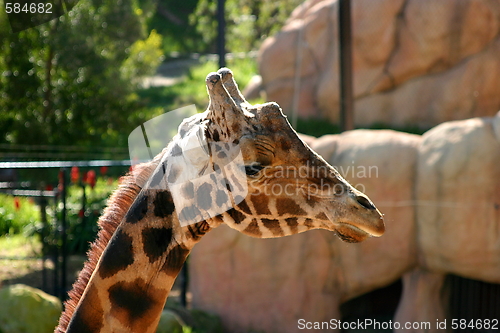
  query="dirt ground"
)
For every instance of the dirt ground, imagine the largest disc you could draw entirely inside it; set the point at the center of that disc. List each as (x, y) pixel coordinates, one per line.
(34, 273)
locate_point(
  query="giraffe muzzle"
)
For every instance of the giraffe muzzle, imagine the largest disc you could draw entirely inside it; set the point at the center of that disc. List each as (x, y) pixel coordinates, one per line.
(368, 220)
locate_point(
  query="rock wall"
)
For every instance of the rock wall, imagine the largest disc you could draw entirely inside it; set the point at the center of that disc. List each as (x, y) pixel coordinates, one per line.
(440, 194)
(458, 189)
(458, 213)
(416, 62)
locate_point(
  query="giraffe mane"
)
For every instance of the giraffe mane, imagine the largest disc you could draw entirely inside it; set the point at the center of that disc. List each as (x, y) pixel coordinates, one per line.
(117, 206)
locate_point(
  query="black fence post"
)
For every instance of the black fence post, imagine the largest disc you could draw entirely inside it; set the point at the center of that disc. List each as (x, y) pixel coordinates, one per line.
(64, 254)
(346, 82)
(184, 284)
(221, 33)
(45, 228)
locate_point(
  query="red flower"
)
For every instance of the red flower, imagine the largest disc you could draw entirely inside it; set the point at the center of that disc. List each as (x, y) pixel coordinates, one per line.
(75, 174)
(91, 178)
(103, 170)
(17, 203)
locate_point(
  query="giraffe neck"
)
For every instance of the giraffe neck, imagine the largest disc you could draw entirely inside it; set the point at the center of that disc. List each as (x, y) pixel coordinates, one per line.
(128, 289)
(141, 246)
(132, 266)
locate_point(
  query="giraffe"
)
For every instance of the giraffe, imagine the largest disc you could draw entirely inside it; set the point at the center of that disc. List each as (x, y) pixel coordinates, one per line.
(152, 222)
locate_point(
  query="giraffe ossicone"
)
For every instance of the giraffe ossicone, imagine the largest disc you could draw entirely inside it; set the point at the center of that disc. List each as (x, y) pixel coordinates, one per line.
(235, 163)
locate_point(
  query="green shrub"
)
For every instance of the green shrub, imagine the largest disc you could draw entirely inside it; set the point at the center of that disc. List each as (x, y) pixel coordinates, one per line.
(82, 225)
(81, 220)
(16, 213)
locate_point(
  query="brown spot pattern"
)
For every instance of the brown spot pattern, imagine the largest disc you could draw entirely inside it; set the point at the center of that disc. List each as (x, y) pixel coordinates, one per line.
(89, 316)
(243, 206)
(158, 176)
(261, 204)
(321, 216)
(285, 144)
(274, 226)
(237, 216)
(253, 229)
(189, 213)
(155, 242)
(197, 230)
(215, 136)
(288, 206)
(176, 150)
(293, 224)
(138, 209)
(163, 204)
(188, 190)
(204, 196)
(118, 255)
(311, 200)
(135, 304)
(174, 173)
(175, 259)
(221, 198)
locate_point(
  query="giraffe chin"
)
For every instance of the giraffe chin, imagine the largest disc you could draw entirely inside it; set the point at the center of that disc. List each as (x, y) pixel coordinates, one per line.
(351, 234)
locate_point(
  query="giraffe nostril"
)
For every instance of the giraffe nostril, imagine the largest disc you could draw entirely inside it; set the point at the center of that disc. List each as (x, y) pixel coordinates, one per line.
(363, 201)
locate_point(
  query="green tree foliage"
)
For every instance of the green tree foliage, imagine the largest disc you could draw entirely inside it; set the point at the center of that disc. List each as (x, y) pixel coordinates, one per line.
(73, 80)
(171, 19)
(248, 22)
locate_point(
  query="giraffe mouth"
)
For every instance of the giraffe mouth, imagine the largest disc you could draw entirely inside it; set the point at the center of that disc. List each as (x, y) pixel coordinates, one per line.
(351, 234)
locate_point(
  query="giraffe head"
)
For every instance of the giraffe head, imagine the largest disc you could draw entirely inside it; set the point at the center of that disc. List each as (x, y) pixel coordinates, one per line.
(279, 186)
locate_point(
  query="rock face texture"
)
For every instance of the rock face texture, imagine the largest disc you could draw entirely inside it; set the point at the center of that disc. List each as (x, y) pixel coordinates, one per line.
(440, 194)
(458, 213)
(458, 188)
(416, 62)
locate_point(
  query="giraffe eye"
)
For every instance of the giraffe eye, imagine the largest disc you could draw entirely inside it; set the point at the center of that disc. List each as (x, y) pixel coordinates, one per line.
(253, 169)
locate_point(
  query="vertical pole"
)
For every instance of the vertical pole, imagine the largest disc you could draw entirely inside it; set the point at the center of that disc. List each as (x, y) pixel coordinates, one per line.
(55, 249)
(45, 227)
(346, 84)
(83, 221)
(184, 284)
(221, 33)
(63, 234)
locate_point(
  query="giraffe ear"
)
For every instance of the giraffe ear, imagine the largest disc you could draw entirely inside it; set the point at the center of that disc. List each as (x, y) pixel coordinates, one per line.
(222, 106)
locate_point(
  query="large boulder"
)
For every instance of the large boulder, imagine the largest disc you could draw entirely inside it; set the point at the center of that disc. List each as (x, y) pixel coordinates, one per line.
(269, 284)
(170, 322)
(418, 62)
(265, 285)
(458, 214)
(381, 163)
(178, 319)
(24, 309)
(458, 191)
